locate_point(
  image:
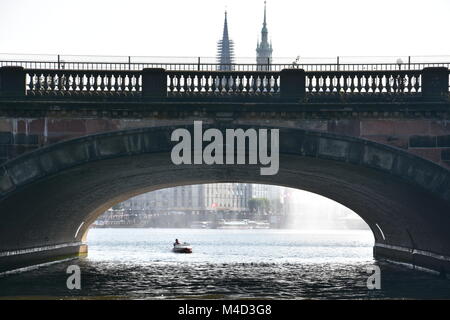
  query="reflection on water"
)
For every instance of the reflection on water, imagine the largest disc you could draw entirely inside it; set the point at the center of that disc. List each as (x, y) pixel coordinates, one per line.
(138, 263)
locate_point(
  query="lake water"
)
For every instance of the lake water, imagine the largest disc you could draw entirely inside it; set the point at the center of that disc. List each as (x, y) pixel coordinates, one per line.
(286, 264)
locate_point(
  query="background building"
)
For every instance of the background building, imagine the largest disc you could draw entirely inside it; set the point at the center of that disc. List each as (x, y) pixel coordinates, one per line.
(225, 49)
(264, 48)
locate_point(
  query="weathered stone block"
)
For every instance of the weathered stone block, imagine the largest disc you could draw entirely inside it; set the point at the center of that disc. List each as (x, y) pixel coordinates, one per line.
(445, 154)
(396, 141)
(5, 181)
(22, 138)
(3, 151)
(378, 158)
(439, 127)
(335, 149)
(430, 154)
(101, 125)
(36, 126)
(69, 155)
(5, 138)
(5, 125)
(422, 142)
(443, 141)
(23, 171)
(113, 146)
(377, 127)
(345, 127)
(309, 146)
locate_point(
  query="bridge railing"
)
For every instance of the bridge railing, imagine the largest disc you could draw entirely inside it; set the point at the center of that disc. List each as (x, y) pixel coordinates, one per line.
(364, 82)
(201, 83)
(73, 82)
(288, 84)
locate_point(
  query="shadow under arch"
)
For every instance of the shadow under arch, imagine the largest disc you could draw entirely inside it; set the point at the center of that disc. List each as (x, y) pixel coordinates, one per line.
(49, 197)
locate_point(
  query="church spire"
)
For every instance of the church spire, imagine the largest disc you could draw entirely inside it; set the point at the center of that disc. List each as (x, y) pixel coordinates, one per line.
(265, 22)
(225, 48)
(264, 48)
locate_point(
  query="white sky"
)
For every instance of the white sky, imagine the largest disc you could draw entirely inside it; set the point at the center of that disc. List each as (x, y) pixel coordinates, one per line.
(309, 28)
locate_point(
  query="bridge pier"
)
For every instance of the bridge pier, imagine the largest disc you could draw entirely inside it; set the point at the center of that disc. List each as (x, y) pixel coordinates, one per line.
(23, 258)
(416, 259)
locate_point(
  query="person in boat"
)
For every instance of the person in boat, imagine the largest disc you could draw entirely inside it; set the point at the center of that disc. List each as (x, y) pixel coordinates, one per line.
(176, 242)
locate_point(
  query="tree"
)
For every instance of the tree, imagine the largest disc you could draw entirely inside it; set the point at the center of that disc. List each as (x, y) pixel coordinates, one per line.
(259, 205)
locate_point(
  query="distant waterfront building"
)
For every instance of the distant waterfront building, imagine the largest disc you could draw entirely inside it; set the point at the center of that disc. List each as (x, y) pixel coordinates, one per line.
(225, 49)
(264, 48)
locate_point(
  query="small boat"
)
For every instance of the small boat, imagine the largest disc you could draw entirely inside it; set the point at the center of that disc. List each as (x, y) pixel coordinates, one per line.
(182, 248)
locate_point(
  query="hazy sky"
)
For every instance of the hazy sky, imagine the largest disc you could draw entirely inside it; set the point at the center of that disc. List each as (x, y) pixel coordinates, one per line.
(309, 28)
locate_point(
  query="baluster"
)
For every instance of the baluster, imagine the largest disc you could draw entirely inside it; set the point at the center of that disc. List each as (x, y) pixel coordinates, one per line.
(219, 84)
(107, 84)
(29, 86)
(214, 80)
(81, 82)
(276, 86)
(366, 83)
(383, 83)
(331, 83)
(130, 84)
(261, 84)
(39, 82)
(309, 84)
(395, 83)
(374, 83)
(178, 83)
(402, 83)
(338, 85)
(45, 82)
(416, 83)
(95, 82)
(248, 82)
(353, 83)
(226, 83)
(139, 83)
(54, 82)
(255, 84)
(207, 86)
(409, 83)
(324, 84)
(317, 82)
(184, 81)
(268, 80)
(195, 85)
(75, 82)
(171, 86)
(346, 77)
(117, 78)
(102, 83)
(88, 82)
(69, 82)
(35, 82)
(240, 85)
(59, 85)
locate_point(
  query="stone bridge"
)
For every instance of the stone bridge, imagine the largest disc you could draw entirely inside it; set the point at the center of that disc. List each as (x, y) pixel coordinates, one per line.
(75, 142)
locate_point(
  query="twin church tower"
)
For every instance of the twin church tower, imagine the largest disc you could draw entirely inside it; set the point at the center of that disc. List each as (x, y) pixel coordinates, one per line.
(225, 48)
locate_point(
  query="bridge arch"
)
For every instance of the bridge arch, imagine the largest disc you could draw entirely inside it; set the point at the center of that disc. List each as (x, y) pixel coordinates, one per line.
(49, 197)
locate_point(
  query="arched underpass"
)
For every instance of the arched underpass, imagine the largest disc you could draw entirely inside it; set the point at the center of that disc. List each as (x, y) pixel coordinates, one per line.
(50, 197)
